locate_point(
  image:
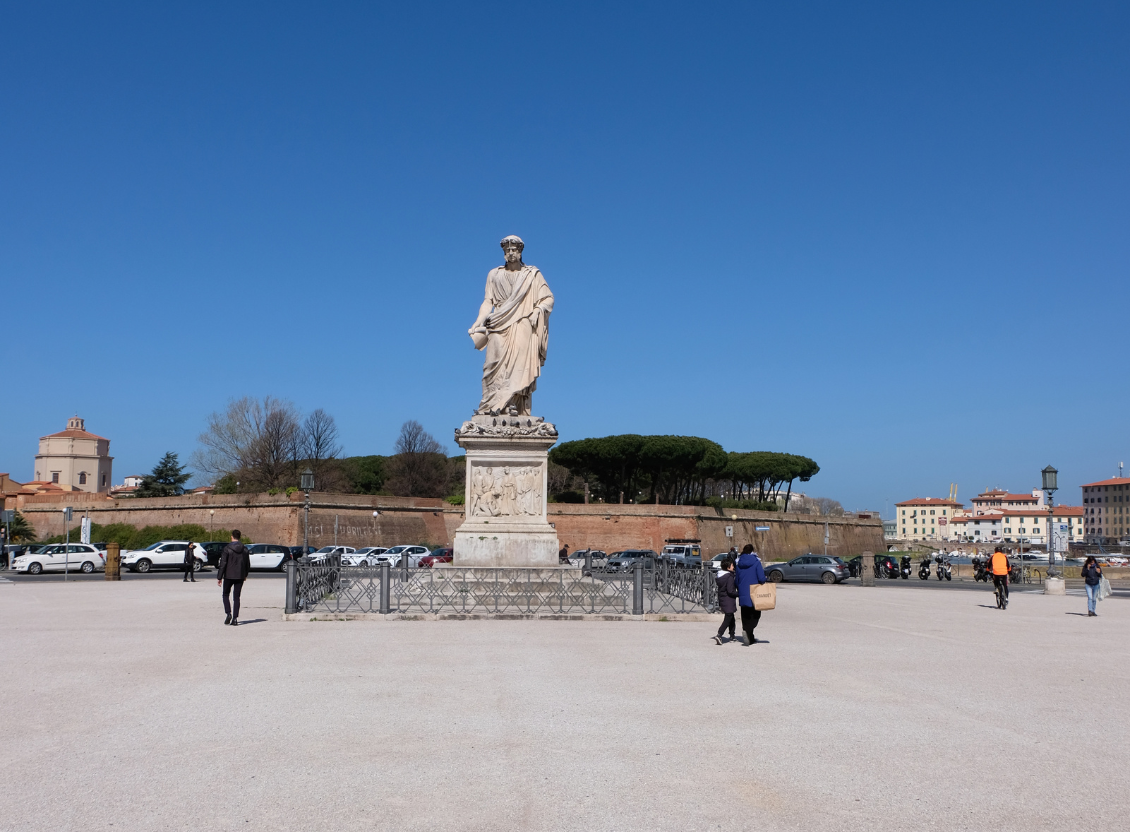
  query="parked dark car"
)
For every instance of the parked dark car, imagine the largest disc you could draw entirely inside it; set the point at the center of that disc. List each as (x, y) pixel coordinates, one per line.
(298, 551)
(855, 568)
(214, 548)
(626, 561)
(821, 568)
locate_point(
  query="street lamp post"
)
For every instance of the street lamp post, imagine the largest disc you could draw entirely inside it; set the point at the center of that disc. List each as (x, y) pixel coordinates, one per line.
(307, 487)
(211, 524)
(1049, 485)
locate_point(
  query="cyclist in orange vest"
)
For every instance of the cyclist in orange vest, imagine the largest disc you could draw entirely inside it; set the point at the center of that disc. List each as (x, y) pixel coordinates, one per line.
(1000, 568)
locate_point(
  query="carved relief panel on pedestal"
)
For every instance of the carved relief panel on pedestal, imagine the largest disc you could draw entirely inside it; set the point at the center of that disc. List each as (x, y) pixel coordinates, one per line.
(506, 491)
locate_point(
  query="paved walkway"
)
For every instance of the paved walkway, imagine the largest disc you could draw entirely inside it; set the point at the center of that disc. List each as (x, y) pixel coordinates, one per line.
(130, 706)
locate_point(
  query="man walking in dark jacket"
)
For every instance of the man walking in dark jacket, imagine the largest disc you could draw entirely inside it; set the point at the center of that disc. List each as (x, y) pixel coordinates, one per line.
(750, 572)
(727, 598)
(231, 573)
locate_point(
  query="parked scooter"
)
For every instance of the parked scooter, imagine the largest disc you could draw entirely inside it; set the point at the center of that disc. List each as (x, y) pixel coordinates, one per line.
(904, 567)
(924, 569)
(981, 570)
(944, 570)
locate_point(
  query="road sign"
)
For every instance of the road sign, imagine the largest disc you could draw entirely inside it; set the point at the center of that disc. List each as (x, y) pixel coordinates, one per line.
(7, 516)
(67, 514)
(729, 531)
(761, 528)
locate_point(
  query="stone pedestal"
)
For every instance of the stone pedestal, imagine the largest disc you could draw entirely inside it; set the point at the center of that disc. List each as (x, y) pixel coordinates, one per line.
(1055, 586)
(506, 522)
(867, 569)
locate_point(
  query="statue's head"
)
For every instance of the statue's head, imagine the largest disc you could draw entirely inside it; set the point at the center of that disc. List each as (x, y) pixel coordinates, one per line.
(512, 247)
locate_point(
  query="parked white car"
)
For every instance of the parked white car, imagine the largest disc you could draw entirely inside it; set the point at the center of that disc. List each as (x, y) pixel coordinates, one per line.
(363, 557)
(164, 554)
(77, 557)
(392, 556)
(326, 551)
(267, 556)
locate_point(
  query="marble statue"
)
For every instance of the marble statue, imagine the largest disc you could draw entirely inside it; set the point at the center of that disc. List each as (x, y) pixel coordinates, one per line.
(513, 326)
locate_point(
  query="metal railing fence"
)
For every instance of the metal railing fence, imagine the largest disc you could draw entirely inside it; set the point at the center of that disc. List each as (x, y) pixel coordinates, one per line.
(648, 588)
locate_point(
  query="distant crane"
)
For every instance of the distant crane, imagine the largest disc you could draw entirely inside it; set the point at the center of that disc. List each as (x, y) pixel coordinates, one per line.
(953, 492)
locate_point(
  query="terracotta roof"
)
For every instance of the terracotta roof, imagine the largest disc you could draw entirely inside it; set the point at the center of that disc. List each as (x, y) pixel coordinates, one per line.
(928, 501)
(1114, 481)
(73, 434)
(1003, 495)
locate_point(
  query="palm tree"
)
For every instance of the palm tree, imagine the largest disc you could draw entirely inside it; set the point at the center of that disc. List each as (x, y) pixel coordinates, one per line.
(21, 530)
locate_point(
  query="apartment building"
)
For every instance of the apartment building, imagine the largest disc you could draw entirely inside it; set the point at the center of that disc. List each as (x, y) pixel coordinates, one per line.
(994, 499)
(1106, 507)
(925, 518)
(977, 528)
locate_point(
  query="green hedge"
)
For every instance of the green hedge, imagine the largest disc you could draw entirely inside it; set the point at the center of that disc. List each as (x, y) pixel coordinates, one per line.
(131, 537)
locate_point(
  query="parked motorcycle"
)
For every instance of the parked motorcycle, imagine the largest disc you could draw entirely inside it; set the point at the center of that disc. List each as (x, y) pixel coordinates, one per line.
(904, 567)
(944, 570)
(981, 570)
(924, 569)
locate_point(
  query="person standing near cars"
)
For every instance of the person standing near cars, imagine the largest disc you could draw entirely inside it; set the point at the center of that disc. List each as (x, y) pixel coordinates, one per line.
(189, 564)
(727, 598)
(750, 572)
(1093, 576)
(563, 554)
(231, 573)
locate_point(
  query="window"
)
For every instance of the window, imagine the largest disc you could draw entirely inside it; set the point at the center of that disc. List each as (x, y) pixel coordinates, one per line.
(82, 478)
(54, 476)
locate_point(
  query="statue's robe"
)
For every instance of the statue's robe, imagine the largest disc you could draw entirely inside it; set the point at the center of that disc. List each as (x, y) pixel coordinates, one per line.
(515, 350)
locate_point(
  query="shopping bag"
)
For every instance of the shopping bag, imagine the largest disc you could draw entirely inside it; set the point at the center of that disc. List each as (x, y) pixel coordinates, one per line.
(764, 596)
(1104, 587)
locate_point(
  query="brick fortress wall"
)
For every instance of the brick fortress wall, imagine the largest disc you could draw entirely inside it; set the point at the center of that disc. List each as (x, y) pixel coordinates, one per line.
(278, 519)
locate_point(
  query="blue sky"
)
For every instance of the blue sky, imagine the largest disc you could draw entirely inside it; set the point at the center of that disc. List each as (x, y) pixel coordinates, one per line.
(889, 236)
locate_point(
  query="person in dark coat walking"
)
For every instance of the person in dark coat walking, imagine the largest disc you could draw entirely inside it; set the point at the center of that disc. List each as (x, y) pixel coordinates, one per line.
(727, 598)
(1092, 576)
(189, 563)
(750, 572)
(231, 573)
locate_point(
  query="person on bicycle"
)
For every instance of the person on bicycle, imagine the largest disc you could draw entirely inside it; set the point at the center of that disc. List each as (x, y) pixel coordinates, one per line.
(1000, 567)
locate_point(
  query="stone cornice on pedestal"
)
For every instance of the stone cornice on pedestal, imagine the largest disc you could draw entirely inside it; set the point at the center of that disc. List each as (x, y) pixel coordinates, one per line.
(506, 427)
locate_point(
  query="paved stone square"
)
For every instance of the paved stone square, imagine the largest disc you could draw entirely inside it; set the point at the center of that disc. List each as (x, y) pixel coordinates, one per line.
(130, 706)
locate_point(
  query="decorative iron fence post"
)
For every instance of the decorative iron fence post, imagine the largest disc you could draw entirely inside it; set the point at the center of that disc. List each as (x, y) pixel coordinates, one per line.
(404, 565)
(291, 586)
(588, 562)
(637, 588)
(386, 581)
(705, 587)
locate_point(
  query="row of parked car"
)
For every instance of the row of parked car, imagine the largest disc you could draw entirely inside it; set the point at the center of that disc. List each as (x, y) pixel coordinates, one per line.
(377, 555)
(818, 568)
(170, 554)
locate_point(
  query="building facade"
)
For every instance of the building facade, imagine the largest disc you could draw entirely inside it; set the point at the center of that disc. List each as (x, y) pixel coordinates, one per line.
(925, 518)
(1106, 507)
(977, 528)
(994, 499)
(75, 460)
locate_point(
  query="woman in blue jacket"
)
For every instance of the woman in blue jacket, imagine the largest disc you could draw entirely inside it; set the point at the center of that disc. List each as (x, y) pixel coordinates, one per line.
(750, 572)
